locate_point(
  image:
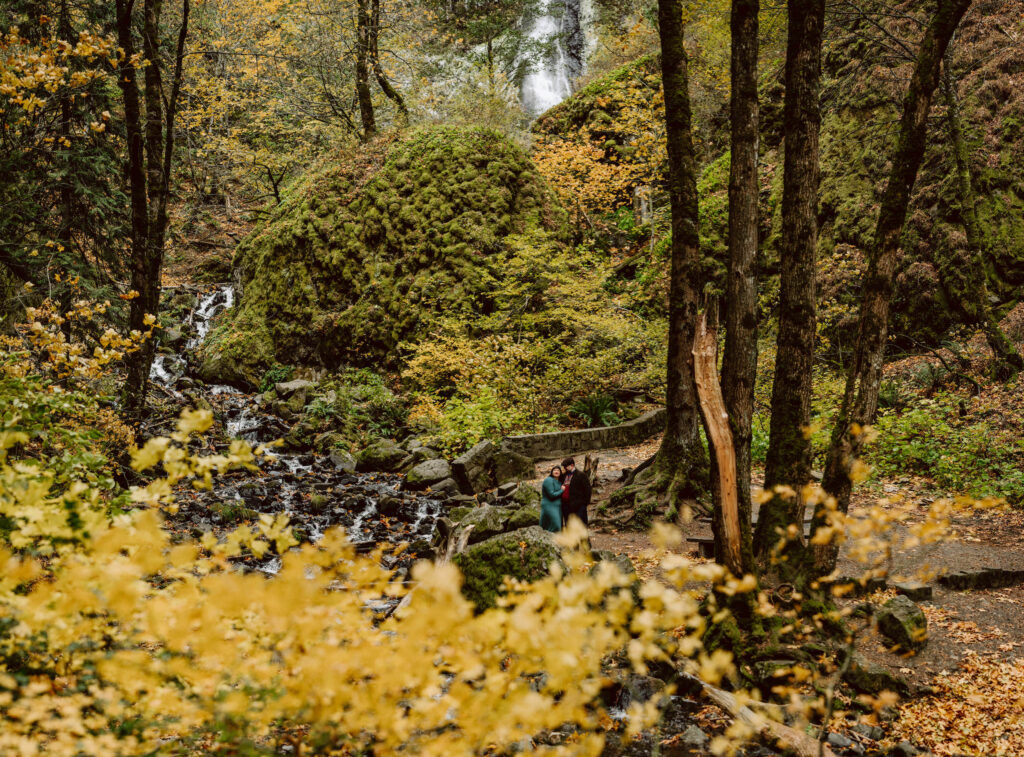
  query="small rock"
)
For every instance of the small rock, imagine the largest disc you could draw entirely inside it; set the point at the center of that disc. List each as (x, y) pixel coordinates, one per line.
(839, 741)
(904, 623)
(343, 461)
(447, 488)
(426, 474)
(506, 490)
(914, 590)
(383, 455)
(872, 732)
(694, 738)
(905, 749)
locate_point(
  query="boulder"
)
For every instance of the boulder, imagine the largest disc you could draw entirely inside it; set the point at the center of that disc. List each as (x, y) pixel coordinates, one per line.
(524, 517)
(506, 490)
(448, 487)
(526, 495)
(427, 474)
(286, 389)
(301, 435)
(417, 456)
(473, 470)
(343, 461)
(869, 678)
(623, 561)
(525, 554)
(381, 456)
(486, 521)
(512, 466)
(904, 623)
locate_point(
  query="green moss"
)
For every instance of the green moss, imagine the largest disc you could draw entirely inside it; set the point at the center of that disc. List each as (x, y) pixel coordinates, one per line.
(525, 554)
(367, 247)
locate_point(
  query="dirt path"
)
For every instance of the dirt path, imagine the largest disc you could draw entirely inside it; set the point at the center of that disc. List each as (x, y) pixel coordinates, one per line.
(989, 622)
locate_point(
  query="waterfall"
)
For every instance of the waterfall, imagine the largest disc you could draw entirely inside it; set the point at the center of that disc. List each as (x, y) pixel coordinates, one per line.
(549, 80)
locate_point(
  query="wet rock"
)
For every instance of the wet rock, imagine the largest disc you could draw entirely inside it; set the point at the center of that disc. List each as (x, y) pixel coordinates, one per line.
(839, 741)
(692, 741)
(869, 678)
(446, 488)
(381, 456)
(473, 470)
(904, 623)
(525, 554)
(342, 460)
(640, 688)
(426, 474)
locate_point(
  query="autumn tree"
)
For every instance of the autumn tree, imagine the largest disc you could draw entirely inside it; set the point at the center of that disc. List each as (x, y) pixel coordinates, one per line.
(149, 125)
(860, 399)
(63, 205)
(788, 460)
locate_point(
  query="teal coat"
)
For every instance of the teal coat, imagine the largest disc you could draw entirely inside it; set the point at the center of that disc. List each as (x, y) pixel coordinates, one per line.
(551, 505)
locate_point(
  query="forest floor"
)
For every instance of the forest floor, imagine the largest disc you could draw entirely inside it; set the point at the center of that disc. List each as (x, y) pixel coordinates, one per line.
(973, 663)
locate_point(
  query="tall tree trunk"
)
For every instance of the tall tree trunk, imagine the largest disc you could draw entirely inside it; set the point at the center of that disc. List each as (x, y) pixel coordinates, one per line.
(67, 197)
(382, 81)
(739, 365)
(972, 299)
(150, 156)
(135, 386)
(680, 463)
(789, 451)
(860, 400)
(363, 70)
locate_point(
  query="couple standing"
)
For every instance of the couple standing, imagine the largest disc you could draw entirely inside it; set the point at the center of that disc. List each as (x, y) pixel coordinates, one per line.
(565, 492)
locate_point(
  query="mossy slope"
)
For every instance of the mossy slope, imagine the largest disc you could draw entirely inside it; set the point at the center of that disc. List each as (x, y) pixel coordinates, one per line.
(368, 247)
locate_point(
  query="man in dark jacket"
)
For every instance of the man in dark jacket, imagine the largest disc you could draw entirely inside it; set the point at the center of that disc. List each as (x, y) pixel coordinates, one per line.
(579, 492)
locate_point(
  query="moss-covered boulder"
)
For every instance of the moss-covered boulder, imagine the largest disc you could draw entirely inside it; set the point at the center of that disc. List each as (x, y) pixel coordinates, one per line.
(525, 554)
(383, 455)
(369, 246)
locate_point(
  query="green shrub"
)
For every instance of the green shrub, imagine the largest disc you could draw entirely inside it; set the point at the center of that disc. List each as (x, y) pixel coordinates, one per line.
(596, 410)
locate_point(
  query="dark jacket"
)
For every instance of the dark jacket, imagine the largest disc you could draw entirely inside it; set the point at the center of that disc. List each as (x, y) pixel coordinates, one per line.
(579, 496)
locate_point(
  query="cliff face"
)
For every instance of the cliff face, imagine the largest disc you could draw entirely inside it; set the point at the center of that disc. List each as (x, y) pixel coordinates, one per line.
(368, 247)
(866, 67)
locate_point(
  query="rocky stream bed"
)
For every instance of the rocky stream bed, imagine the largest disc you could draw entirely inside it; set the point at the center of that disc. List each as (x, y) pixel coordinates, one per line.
(431, 501)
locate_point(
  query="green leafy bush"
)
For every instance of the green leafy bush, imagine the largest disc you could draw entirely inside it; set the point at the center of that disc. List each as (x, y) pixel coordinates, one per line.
(596, 410)
(961, 455)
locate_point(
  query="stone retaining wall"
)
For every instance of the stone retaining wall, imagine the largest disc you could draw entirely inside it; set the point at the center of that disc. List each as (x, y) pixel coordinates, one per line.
(558, 443)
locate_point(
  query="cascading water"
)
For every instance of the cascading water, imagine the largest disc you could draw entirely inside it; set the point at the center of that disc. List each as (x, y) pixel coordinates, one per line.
(311, 489)
(554, 56)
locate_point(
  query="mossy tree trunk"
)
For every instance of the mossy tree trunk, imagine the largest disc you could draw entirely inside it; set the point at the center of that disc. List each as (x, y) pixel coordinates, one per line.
(363, 95)
(382, 80)
(788, 461)
(680, 466)
(860, 399)
(971, 296)
(739, 364)
(150, 153)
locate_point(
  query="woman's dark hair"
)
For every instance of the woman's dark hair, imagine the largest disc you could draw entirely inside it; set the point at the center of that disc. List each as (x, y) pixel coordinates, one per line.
(553, 469)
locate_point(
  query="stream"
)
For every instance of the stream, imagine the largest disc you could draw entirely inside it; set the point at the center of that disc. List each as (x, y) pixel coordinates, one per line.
(315, 493)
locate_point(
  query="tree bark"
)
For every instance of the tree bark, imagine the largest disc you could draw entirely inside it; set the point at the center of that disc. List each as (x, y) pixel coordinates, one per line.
(739, 364)
(363, 70)
(150, 153)
(860, 400)
(789, 450)
(681, 461)
(729, 543)
(972, 300)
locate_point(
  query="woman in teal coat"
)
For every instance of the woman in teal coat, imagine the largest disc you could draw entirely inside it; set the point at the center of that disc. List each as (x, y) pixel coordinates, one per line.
(551, 501)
